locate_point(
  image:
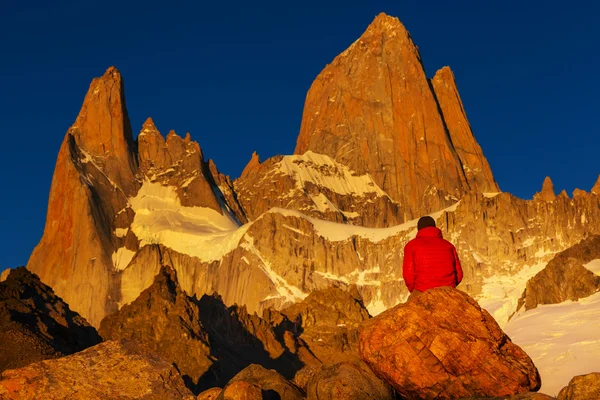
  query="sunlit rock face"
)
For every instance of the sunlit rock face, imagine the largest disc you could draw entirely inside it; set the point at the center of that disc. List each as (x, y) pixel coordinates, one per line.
(374, 110)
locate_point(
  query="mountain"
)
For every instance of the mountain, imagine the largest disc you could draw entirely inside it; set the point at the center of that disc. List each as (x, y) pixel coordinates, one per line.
(380, 144)
(374, 109)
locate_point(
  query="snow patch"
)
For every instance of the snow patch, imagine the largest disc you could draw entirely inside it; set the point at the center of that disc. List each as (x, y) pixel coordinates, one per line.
(196, 231)
(121, 232)
(286, 291)
(325, 172)
(500, 294)
(491, 195)
(122, 257)
(562, 339)
(336, 232)
(594, 266)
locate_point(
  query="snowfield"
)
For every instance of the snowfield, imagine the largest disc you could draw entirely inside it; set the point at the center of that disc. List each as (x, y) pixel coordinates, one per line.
(197, 231)
(562, 339)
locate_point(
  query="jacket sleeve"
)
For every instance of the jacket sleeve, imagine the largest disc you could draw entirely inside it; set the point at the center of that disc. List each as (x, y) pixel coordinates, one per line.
(408, 268)
(458, 267)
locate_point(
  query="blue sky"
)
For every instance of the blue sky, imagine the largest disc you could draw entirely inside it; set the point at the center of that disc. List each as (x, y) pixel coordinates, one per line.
(235, 75)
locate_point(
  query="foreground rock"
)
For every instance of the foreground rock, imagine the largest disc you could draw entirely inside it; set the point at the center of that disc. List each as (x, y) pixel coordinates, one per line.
(328, 321)
(272, 384)
(443, 345)
(347, 381)
(582, 387)
(36, 324)
(565, 277)
(241, 390)
(109, 370)
(165, 320)
(210, 394)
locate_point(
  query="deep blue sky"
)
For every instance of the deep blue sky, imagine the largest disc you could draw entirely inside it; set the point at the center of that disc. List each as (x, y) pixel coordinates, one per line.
(235, 75)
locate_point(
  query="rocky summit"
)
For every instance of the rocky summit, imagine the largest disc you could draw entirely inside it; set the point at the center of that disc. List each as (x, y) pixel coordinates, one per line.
(374, 109)
(442, 345)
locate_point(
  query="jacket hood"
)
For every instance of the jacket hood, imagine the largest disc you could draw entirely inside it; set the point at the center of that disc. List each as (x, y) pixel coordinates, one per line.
(430, 231)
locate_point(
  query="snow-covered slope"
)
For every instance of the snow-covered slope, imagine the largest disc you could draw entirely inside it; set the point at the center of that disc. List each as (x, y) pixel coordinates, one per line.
(197, 231)
(562, 339)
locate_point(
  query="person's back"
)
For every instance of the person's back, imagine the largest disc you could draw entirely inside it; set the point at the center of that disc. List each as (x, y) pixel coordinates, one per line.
(430, 261)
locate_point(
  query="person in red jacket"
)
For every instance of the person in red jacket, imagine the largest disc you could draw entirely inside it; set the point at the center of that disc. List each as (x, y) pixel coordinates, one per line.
(430, 261)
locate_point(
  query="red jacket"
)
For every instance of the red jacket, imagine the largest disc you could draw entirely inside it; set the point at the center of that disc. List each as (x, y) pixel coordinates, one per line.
(430, 261)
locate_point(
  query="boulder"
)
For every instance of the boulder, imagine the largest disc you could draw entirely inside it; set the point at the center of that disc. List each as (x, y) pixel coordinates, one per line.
(110, 370)
(241, 390)
(347, 381)
(443, 345)
(582, 387)
(270, 382)
(210, 394)
(36, 324)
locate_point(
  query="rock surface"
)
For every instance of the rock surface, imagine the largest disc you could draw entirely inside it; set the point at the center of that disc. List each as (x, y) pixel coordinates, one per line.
(35, 324)
(93, 177)
(328, 321)
(241, 390)
(318, 186)
(565, 277)
(165, 320)
(474, 164)
(109, 370)
(273, 385)
(547, 193)
(373, 109)
(443, 345)
(582, 387)
(210, 394)
(347, 381)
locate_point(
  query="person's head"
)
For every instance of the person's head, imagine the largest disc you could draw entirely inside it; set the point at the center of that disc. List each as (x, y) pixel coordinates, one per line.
(425, 222)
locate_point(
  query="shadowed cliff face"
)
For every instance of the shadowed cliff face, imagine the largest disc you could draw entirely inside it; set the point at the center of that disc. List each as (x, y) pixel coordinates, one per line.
(373, 109)
(35, 324)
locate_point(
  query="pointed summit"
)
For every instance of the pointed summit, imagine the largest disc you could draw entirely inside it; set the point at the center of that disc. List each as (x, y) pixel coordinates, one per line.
(475, 165)
(596, 188)
(252, 165)
(102, 127)
(384, 22)
(373, 110)
(547, 193)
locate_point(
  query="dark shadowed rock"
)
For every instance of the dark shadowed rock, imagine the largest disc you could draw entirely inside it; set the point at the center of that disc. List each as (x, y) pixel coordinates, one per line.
(582, 387)
(565, 277)
(239, 339)
(347, 381)
(328, 321)
(165, 320)
(110, 370)
(443, 345)
(36, 324)
(273, 385)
